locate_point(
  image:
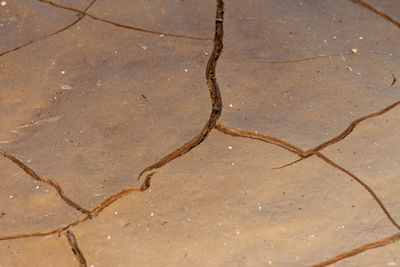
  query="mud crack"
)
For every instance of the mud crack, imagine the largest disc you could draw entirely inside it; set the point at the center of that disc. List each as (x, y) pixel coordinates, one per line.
(376, 244)
(213, 122)
(376, 11)
(80, 17)
(45, 180)
(75, 248)
(215, 94)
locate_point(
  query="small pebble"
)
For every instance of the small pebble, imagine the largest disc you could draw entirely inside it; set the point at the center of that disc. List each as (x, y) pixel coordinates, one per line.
(229, 147)
(186, 70)
(108, 237)
(152, 214)
(354, 51)
(62, 72)
(66, 87)
(3, 3)
(142, 46)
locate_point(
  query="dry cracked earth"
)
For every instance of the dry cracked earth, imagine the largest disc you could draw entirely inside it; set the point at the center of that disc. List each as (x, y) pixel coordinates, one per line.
(291, 159)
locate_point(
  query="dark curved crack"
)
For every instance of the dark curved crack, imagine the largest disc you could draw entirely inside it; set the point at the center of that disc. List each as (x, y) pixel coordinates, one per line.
(376, 244)
(376, 11)
(216, 110)
(75, 249)
(93, 212)
(216, 99)
(45, 180)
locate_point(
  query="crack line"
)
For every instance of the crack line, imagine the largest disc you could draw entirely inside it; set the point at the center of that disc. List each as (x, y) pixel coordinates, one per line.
(310, 152)
(298, 151)
(371, 192)
(82, 15)
(75, 248)
(376, 244)
(264, 61)
(126, 26)
(94, 212)
(47, 181)
(376, 11)
(210, 125)
(216, 99)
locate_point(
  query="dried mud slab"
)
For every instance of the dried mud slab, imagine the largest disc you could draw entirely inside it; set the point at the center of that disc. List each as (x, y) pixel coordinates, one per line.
(241, 214)
(115, 104)
(29, 205)
(310, 101)
(125, 95)
(46, 251)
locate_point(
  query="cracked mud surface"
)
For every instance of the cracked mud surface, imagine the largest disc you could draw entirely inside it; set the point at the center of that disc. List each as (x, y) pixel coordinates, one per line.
(91, 98)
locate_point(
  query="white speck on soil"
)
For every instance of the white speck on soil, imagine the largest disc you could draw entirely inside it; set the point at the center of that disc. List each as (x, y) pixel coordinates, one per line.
(66, 87)
(3, 3)
(142, 46)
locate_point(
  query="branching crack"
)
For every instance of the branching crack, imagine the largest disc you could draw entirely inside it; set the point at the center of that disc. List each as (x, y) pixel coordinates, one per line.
(212, 123)
(45, 180)
(80, 17)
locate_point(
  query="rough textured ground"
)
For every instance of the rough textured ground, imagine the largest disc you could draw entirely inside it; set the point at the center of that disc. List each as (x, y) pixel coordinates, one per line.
(91, 105)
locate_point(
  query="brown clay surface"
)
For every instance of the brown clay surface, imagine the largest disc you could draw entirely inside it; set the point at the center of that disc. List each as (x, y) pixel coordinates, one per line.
(93, 105)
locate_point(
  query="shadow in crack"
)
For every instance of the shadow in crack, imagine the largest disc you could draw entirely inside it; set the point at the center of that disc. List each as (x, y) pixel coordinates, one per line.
(211, 124)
